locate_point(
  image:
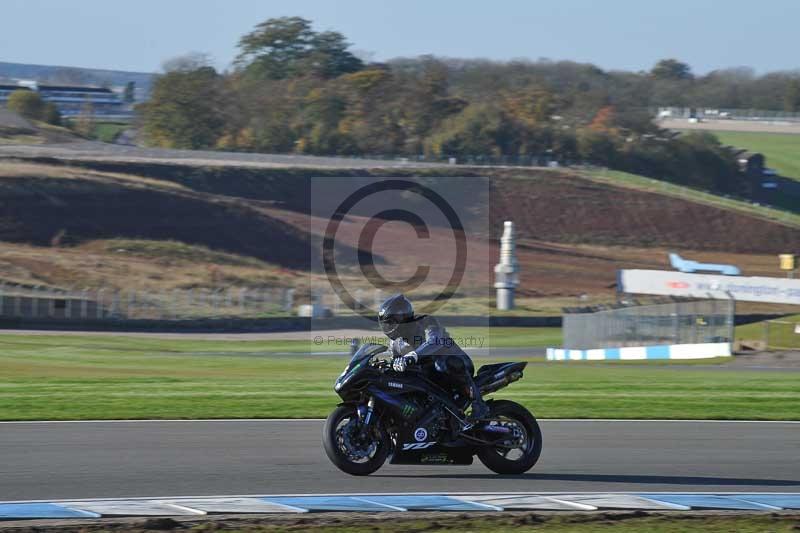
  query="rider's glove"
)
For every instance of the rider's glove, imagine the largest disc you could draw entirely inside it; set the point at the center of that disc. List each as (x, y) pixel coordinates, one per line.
(400, 363)
(400, 347)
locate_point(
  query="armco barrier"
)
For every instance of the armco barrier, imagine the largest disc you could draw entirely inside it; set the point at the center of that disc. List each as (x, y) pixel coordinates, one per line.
(475, 502)
(259, 325)
(289, 323)
(638, 353)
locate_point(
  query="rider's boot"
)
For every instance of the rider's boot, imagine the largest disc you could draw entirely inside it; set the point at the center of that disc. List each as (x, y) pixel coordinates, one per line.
(479, 408)
(479, 411)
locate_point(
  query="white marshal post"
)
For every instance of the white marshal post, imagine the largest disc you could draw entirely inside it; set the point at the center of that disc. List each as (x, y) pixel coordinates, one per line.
(506, 272)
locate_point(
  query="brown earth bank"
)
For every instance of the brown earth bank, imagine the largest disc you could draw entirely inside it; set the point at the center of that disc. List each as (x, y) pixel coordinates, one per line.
(41, 205)
(57, 219)
(706, 521)
(563, 208)
(550, 205)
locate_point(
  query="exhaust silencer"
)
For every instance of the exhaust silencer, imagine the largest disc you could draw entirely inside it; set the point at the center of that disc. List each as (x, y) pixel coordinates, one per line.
(500, 383)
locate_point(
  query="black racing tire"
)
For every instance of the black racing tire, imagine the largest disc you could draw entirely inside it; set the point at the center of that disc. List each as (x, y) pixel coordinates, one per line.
(329, 442)
(501, 465)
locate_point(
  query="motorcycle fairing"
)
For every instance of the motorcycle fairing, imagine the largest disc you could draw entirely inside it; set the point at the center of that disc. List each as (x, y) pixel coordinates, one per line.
(434, 455)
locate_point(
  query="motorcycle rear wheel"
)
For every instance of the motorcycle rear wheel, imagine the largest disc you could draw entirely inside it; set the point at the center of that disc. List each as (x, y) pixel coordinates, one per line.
(494, 458)
(336, 439)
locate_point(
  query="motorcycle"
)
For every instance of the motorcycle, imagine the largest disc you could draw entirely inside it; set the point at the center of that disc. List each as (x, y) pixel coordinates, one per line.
(415, 421)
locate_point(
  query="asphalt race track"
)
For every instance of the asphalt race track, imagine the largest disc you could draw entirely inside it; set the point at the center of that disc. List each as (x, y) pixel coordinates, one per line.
(188, 458)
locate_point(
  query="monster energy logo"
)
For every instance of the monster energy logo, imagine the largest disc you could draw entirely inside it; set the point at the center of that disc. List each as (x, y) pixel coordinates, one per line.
(408, 409)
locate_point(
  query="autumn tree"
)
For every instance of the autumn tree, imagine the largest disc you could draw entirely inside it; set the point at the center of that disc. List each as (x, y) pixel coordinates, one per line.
(130, 92)
(372, 118)
(603, 121)
(284, 47)
(27, 103)
(85, 123)
(426, 102)
(533, 106)
(51, 114)
(671, 69)
(184, 110)
(597, 147)
(480, 130)
(294, 89)
(791, 96)
(188, 62)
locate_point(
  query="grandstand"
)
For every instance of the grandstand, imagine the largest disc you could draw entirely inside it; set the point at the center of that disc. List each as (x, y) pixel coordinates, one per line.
(71, 100)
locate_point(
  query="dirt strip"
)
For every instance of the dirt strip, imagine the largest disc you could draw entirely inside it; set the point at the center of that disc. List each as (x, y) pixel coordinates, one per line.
(416, 521)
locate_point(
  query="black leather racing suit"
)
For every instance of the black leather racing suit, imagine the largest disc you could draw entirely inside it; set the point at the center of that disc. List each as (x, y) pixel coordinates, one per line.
(432, 344)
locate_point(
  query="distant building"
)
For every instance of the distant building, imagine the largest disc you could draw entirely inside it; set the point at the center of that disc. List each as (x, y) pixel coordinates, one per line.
(71, 100)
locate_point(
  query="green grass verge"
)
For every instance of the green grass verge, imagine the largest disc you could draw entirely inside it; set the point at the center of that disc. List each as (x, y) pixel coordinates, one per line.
(642, 183)
(468, 338)
(176, 250)
(108, 131)
(782, 150)
(63, 378)
(779, 334)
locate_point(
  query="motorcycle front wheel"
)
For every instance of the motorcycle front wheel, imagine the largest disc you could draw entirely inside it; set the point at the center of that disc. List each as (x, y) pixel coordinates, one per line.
(518, 454)
(356, 452)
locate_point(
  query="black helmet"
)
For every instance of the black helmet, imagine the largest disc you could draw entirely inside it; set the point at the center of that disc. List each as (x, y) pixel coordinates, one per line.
(394, 313)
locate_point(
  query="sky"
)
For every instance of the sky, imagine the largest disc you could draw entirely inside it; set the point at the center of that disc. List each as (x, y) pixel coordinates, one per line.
(139, 35)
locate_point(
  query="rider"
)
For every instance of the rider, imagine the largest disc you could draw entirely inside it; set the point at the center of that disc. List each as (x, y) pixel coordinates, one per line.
(418, 337)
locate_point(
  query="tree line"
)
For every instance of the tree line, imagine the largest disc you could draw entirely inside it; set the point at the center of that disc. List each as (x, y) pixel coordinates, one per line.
(294, 89)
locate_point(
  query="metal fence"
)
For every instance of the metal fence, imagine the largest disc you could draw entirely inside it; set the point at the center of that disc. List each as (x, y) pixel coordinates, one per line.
(544, 160)
(25, 302)
(675, 322)
(99, 304)
(782, 335)
(756, 115)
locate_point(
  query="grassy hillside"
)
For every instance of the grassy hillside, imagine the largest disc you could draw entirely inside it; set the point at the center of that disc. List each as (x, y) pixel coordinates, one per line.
(15, 130)
(782, 150)
(642, 183)
(47, 205)
(169, 226)
(614, 212)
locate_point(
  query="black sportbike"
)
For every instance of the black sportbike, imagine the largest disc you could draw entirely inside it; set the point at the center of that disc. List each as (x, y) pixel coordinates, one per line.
(407, 416)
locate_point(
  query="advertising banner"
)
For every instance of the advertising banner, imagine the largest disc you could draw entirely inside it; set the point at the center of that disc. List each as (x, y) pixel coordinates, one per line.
(748, 289)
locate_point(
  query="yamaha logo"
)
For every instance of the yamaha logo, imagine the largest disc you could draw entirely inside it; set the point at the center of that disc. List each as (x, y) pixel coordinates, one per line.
(421, 434)
(395, 384)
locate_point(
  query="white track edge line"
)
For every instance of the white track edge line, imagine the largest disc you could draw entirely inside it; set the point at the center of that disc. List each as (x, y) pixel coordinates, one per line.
(367, 500)
(578, 506)
(192, 510)
(479, 504)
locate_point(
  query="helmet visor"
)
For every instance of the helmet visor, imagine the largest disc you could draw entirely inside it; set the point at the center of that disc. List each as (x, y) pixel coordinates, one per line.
(390, 327)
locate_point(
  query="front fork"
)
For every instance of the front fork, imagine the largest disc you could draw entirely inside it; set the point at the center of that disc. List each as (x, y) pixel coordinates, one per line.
(365, 413)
